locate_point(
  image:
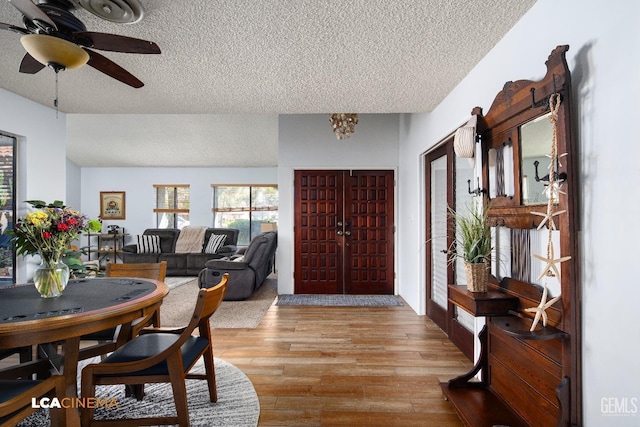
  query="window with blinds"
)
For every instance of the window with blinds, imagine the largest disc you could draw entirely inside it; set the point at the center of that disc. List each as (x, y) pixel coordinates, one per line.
(172, 205)
(251, 209)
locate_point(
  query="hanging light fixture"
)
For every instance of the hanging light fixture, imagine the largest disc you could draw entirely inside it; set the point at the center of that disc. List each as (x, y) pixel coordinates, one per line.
(54, 52)
(343, 124)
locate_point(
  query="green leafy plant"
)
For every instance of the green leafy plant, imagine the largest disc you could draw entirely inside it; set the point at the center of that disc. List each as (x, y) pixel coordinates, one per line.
(473, 232)
(78, 269)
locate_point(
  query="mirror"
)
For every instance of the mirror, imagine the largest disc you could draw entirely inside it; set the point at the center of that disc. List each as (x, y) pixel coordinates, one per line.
(516, 135)
(535, 142)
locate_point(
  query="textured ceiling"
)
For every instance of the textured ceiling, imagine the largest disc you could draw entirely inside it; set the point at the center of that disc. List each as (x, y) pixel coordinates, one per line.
(222, 59)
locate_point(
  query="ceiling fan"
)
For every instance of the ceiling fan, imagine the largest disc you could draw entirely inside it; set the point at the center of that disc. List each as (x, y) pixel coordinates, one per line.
(54, 37)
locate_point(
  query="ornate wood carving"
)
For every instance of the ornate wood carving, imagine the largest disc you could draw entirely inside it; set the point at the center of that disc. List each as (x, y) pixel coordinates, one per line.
(534, 376)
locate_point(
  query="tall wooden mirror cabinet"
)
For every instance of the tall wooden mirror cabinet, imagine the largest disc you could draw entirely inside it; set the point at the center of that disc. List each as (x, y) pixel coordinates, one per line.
(528, 372)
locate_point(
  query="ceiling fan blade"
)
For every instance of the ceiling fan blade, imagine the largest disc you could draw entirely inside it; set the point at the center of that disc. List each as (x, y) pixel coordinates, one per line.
(13, 28)
(112, 69)
(30, 65)
(114, 42)
(33, 13)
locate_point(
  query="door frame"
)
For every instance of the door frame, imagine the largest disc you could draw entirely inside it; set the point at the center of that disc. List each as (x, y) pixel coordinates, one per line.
(438, 314)
(444, 318)
(346, 168)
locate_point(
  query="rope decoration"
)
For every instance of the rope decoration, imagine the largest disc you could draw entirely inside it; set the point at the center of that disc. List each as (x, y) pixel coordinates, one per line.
(553, 190)
(554, 105)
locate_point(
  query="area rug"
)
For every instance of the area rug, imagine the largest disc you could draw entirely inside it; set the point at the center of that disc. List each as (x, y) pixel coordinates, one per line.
(237, 404)
(339, 300)
(177, 307)
(175, 281)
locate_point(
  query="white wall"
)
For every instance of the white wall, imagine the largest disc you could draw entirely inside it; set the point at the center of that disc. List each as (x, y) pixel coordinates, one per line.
(604, 59)
(138, 183)
(307, 142)
(74, 185)
(41, 169)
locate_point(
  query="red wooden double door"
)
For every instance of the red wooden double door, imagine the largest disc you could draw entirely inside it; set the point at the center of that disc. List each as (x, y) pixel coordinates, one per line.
(344, 226)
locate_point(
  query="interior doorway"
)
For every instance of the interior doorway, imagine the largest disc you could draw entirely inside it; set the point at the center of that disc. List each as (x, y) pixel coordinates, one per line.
(446, 187)
(344, 232)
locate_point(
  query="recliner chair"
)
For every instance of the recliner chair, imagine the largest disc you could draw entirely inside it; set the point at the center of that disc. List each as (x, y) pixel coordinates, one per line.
(246, 272)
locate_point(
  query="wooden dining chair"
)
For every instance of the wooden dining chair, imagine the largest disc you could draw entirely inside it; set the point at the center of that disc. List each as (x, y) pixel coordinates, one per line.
(16, 401)
(160, 356)
(107, 338)
(155, 271)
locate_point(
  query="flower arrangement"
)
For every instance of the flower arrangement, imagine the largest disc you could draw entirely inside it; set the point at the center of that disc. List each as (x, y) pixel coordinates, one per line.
(48, 232)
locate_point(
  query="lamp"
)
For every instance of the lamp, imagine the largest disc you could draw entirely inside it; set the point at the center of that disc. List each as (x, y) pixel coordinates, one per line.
(55, 52)
(343, 124)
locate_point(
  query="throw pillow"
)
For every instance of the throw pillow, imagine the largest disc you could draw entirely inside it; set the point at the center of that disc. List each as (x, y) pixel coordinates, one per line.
(215, 243)
(148, 244)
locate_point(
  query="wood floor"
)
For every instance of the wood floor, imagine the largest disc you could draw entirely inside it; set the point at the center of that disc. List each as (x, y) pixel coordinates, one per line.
(346, 366)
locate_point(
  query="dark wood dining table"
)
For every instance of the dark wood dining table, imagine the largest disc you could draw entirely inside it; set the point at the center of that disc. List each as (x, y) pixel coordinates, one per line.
(86, 306)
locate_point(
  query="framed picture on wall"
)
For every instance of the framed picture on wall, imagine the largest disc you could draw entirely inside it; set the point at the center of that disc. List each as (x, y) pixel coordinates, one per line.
(112, 205)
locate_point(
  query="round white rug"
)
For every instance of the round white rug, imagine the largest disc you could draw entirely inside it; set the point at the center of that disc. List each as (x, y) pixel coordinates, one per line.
(237, 404)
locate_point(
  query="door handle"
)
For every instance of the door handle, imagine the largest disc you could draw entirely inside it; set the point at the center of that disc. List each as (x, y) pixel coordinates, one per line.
(339, 233)
(347, 233)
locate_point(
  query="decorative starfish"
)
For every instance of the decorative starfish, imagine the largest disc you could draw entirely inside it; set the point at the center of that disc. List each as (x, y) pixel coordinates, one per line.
(559, 164)
(541, 309)
(547, 217)
(553, 191)
(550, 269)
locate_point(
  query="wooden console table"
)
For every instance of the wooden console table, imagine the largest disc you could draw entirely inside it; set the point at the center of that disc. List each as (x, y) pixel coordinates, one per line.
(474, 399)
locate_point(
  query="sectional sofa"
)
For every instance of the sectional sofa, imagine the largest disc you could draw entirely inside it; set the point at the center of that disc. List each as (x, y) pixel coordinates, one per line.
(163, 248)
(247, 271)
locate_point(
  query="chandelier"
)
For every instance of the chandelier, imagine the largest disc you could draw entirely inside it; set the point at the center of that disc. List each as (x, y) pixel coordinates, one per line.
(343, 124)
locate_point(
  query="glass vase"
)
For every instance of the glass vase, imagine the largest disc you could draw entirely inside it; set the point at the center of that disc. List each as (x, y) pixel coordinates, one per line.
(51, 277)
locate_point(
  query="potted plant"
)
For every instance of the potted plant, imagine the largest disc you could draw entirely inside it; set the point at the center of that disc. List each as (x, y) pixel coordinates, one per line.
(473, 245)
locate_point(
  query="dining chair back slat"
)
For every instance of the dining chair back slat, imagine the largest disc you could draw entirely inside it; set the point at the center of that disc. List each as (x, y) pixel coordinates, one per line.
(155, 271)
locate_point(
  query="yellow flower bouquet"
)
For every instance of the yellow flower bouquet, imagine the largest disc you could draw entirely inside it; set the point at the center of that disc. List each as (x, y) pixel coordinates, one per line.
(49, 232)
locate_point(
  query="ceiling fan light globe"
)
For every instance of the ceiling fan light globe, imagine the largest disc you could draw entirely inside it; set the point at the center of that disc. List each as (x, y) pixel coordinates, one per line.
(53, 50)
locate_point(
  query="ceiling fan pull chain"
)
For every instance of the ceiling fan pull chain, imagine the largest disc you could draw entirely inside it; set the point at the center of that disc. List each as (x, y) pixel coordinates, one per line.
(55, 101)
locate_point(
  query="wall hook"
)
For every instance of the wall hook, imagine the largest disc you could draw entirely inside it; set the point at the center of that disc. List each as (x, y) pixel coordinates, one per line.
(478, 191)
(545, 101)
(560, 178)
